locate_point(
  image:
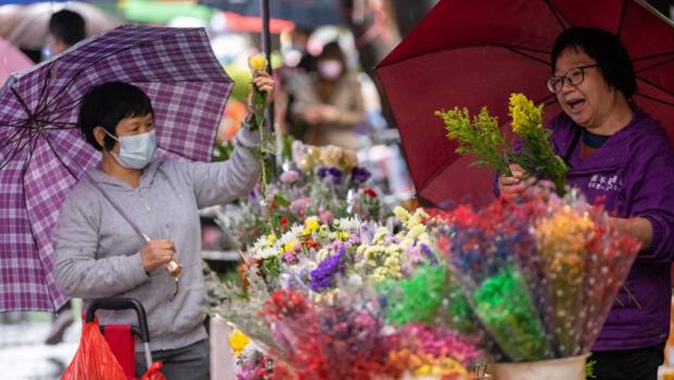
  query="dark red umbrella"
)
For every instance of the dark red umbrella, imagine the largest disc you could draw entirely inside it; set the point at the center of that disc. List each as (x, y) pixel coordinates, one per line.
(475, 53)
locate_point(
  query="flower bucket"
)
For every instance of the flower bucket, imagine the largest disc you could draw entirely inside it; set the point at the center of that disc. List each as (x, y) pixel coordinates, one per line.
(571, 368)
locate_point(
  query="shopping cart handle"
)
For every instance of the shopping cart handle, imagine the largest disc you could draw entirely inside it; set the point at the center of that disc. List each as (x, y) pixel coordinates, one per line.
(121, 304)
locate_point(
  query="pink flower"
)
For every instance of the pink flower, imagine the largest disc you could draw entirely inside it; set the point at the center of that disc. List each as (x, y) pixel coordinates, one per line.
(290, 176)
(300, 204)
(325, 217)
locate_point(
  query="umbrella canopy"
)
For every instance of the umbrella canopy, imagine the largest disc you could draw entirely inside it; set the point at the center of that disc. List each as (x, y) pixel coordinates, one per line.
(42, 153)
(475, 53)
(26, 26)
(11, 59)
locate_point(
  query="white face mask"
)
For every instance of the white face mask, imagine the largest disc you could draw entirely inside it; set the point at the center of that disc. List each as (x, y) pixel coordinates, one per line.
(135, 152)
(330, 69)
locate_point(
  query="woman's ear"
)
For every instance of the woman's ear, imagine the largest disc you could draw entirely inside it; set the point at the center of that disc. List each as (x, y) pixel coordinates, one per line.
(99, 135)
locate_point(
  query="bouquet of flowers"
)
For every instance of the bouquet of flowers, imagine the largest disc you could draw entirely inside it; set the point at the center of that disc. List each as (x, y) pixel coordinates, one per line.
(324, 182)
(541, 274)
(481, 136)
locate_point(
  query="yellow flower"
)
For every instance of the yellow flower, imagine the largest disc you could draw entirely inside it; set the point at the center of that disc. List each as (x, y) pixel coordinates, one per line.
(271, 239)
(526, 116)
(312, 224)
(257, 62)
(290, 246)
(402, 214)
(350, 159)
(343, 235)
(237, 342)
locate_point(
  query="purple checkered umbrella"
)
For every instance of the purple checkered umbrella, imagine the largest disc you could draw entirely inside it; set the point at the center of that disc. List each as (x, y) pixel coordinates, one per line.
(42, 153)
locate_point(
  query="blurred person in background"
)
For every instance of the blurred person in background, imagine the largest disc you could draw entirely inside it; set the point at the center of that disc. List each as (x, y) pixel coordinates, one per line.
(66, 28)
(296, 62)
(329, 101)
(295, 53)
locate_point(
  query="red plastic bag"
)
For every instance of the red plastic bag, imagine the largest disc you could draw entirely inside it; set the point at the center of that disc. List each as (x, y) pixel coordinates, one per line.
(93, 359)
(153, 373)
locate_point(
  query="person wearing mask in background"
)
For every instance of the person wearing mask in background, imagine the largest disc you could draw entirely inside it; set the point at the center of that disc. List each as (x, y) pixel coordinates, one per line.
(620, 156)
(330, 101)
(66, 28)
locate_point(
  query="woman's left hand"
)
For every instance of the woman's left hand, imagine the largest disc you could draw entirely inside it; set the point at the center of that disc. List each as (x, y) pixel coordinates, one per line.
(264, 83)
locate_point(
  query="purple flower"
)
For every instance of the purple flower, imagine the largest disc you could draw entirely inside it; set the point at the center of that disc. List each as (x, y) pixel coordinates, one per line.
(321, 277)
(332, 174)
(360, 175)
(429, 253)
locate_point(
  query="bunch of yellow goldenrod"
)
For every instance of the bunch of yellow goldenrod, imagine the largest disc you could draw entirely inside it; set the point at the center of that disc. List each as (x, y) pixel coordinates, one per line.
(536, 155)
(480, 137)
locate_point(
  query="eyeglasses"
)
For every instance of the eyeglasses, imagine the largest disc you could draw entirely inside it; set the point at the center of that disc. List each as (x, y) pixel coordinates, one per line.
(573, 77)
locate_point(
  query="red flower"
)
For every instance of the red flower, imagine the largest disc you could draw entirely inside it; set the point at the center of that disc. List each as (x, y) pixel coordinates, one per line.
(284, 221)
(370, 192)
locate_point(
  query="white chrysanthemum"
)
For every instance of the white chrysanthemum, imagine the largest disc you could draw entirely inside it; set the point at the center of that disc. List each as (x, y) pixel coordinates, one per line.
(288, 237)
(323, 254)
(261, 242)
(265, 253)
(348, 224)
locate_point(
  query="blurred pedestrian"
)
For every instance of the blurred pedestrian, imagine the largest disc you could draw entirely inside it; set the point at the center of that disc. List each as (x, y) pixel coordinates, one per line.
(329, 101)
(66, 28)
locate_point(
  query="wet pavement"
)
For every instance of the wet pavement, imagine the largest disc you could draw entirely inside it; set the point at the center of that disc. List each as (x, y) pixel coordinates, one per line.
(23, 354)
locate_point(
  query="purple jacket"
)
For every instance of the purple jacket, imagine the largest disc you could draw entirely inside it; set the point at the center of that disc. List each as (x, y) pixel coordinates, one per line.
(634, 171)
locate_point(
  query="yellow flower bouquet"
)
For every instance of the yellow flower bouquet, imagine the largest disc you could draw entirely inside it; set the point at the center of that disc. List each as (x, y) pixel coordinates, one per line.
(481, 136)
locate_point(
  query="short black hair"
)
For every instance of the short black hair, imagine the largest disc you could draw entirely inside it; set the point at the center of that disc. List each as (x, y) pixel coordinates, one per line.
(332, 50)
(105, 105)
(67, 26)
(604, 47)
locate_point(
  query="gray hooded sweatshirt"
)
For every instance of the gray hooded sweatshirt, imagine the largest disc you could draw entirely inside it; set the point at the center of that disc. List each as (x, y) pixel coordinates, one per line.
(97, 252)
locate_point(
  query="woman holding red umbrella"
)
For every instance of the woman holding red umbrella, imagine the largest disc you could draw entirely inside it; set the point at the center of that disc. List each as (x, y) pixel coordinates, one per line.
(617, 154)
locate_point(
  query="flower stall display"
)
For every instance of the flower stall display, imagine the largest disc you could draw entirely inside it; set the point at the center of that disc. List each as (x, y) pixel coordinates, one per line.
(325, 182)
(337, 274)
(527, 281)
(330, 291)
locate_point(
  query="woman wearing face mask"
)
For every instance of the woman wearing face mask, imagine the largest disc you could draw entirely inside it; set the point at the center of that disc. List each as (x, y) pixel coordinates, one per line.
(619, 155)
(99, 254)
(330, 103)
